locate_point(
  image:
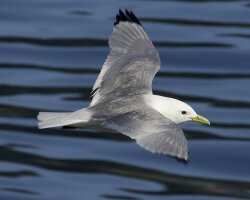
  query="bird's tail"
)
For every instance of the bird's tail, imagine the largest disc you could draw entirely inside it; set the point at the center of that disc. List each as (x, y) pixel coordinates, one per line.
(57, 119)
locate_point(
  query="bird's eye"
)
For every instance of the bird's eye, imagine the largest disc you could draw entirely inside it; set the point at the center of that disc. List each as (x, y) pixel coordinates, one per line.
(183, 112)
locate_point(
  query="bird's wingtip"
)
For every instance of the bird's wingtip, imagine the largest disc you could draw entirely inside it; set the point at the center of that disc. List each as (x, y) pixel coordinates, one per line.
(127, 16)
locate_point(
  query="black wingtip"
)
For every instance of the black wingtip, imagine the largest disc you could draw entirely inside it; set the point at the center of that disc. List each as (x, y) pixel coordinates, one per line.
(68, 127)
(128, 16)
(183, 161)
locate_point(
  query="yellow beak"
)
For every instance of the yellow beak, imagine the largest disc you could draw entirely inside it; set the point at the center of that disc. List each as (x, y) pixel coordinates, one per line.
(201, 119)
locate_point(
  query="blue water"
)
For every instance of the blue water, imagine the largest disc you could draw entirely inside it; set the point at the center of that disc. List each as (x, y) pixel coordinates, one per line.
(50, 55)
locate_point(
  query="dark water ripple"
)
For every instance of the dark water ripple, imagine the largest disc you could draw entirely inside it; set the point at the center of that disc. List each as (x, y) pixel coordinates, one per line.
(92, 70)
(92, 42)
(236, 35)
(51, 54)
(186, 22)
(17, 174)
(84, 94)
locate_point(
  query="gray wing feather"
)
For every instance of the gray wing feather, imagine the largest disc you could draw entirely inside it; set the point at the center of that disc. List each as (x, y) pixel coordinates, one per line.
(131, 65)
(152, 131)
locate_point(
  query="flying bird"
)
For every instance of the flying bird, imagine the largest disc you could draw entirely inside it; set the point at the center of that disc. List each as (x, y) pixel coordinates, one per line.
(123, 100)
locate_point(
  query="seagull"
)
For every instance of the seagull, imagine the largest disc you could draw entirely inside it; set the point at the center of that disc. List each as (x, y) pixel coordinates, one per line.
(123, 100)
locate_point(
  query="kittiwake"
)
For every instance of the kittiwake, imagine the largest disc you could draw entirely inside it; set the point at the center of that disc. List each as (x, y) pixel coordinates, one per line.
(123, 100)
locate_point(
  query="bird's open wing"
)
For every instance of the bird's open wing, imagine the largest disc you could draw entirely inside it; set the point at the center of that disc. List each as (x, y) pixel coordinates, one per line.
(152, 131)
(132, 63)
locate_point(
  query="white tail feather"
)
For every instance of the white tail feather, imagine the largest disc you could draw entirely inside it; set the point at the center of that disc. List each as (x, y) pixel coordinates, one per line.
(43, 116)
(56, 119)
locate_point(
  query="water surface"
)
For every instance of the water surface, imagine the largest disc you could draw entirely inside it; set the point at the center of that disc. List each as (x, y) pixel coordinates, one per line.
(51, 54)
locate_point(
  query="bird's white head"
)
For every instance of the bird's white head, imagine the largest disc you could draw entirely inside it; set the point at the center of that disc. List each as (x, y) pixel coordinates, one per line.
(177, 111)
